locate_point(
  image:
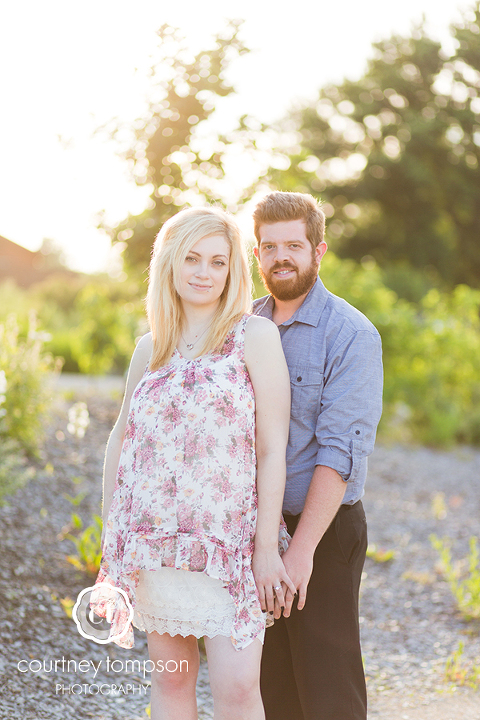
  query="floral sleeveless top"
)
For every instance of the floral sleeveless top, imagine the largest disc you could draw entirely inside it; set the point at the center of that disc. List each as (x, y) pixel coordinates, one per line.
(185, 492)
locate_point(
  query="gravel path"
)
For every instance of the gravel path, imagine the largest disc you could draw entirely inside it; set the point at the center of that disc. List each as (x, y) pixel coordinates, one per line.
(410, 625)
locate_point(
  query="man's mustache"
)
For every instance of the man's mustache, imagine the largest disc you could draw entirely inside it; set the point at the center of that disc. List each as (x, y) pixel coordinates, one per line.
(283, 267)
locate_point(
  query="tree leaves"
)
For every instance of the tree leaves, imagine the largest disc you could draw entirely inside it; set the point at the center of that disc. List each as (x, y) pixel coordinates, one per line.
(395, 156)
(169, 148)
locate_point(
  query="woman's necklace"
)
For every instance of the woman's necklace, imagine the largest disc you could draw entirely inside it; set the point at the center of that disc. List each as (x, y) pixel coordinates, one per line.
(190, 346)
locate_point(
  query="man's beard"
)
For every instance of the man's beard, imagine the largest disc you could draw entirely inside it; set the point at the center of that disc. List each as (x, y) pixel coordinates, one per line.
(290, 289)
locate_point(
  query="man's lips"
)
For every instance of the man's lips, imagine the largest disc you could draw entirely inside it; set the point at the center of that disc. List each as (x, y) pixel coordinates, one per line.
(283, 271)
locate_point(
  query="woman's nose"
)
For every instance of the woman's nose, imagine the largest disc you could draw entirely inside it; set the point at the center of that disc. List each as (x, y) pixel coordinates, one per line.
(202, 270)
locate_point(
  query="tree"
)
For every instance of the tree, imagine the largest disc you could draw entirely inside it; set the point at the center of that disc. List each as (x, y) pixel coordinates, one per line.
(170, 148)
(396, 155)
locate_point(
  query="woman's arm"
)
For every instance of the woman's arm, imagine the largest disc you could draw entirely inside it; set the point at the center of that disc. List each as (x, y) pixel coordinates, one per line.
(138, 363)
(271, 383)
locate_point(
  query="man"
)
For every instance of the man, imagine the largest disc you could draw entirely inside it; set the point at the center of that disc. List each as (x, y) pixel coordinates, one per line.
(312, 665)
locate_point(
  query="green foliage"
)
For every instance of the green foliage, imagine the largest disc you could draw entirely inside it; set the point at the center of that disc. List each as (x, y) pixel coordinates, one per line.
(92, 322)
(87, 545)
(23, 400)
(26, 367)
(395, 155)
(171, 148)
(431, 351)
(103, 339)
(466, 589)
(14, 472)
(460, 671)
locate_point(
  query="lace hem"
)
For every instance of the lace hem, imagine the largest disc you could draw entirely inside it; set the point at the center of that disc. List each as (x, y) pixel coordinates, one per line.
(232, 568)
(210, 627)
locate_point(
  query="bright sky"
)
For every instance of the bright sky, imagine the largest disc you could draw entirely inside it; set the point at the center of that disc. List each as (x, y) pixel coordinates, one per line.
(66, 68)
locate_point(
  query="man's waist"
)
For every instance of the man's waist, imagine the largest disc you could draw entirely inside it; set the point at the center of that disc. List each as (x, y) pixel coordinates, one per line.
(293, 520)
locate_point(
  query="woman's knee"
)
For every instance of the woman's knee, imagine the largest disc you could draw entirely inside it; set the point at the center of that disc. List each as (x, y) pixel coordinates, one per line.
(175, 662)
(175, 681)
(242, 688)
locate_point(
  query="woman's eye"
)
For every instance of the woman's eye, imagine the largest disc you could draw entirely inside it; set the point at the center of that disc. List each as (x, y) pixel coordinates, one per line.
(192, 259)
(219, 262)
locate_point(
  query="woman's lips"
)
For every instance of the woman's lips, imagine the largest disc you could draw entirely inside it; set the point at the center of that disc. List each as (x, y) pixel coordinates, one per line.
(199, 287)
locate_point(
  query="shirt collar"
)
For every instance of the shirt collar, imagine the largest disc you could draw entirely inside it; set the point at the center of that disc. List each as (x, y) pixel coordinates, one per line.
(309, 311)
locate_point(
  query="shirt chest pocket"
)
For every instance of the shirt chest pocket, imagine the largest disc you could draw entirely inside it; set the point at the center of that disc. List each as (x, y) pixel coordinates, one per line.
(306, 384)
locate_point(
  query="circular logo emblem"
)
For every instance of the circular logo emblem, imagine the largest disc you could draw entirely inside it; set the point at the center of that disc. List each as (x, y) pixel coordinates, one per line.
(96, 628)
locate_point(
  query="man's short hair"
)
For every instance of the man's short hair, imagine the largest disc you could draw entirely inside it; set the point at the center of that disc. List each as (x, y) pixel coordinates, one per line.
(284, 206)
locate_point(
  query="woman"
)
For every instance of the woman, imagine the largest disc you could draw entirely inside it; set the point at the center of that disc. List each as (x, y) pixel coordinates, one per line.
(202, 432)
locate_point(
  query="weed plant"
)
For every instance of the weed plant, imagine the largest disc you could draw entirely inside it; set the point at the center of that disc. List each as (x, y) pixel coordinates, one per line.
(87, 544)
(462, 672)
(466, 588)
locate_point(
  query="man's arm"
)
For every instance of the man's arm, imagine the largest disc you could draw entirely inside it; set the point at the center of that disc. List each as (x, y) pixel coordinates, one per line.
(324, 498)
(346, 427)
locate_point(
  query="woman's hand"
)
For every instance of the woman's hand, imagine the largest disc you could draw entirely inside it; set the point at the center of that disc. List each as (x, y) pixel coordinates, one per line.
(271, 579)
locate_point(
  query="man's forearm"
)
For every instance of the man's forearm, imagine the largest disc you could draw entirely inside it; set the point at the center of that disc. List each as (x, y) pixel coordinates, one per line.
(325, 495)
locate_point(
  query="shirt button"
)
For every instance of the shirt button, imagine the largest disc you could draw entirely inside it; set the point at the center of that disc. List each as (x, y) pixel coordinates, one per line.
(357, 432)
(299, 379)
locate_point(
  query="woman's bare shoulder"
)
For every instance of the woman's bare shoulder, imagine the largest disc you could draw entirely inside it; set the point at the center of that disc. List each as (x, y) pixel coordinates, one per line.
(260, 327)
(262, 340)
(145, 343)
(142, 352)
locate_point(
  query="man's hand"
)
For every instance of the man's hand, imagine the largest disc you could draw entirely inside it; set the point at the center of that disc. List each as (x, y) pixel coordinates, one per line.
(299, 565)
(269, 573)
(324, 497)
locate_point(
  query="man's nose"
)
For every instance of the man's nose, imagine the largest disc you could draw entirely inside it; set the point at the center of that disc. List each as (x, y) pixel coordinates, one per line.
(281, 254)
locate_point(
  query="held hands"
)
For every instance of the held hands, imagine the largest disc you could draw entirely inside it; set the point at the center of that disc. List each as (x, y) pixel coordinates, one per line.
(272, 581)
(299, 565)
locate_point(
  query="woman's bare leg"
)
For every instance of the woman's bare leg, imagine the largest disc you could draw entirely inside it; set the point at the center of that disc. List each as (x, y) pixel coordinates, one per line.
(235, 679)
(173, 694)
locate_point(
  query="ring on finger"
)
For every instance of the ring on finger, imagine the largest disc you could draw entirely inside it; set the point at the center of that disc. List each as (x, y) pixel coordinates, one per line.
(277, 588)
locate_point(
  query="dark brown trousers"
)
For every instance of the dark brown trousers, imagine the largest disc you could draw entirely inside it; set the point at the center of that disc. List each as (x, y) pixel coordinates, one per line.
(312, 664)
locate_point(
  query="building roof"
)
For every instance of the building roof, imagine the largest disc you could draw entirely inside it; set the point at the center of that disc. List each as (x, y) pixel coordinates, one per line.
(24, 266)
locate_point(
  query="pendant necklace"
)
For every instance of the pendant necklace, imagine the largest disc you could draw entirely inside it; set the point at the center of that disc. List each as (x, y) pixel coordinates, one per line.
(190, 346)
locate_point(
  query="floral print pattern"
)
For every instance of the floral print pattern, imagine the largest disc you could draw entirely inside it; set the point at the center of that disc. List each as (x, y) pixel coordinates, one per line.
(185, 494)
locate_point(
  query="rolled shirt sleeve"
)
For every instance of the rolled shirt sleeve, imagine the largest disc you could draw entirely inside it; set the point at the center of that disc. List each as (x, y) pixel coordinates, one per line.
(334, 357)
(351, 405)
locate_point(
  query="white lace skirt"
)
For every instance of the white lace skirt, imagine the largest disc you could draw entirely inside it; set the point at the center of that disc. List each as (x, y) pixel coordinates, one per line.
(181, 602)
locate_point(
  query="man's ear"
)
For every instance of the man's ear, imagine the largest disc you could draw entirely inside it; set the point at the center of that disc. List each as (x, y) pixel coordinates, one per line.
(320, 251)
(255, 252)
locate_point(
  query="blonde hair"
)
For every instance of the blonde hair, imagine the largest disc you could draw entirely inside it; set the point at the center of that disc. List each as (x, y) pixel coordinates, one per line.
(164, 309)
(284, 206)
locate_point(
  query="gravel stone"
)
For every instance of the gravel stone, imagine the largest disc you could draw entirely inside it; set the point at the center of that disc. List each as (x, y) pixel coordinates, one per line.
(409, 621)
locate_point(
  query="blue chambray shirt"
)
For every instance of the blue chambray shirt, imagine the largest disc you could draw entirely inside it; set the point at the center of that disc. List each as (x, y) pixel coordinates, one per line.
(334, 356)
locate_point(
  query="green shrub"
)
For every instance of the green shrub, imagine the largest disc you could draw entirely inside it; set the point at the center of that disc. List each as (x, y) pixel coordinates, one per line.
(430, 351)
(104, 339)
(14, 472)
(92, 321)
(25, 366)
